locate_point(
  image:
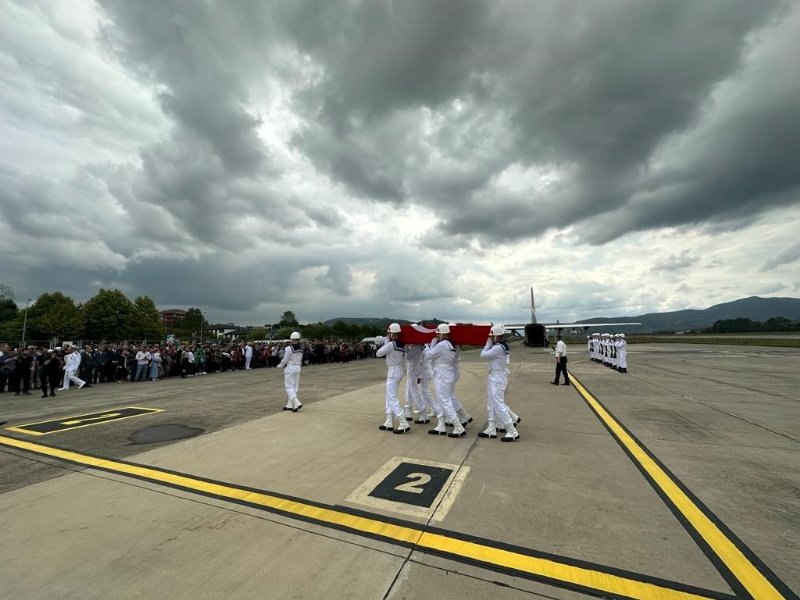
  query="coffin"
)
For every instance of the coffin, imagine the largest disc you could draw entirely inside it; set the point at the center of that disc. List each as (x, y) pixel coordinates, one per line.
(465, 334)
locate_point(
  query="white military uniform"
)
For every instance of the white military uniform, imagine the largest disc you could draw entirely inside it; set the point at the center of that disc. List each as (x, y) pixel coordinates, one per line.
(394, 351)
(414, 404)
(248, 355)
(496, 409)
(428, 400)
(462, 414)
(622, 352)
(71, 365)
(292, 361)
(443, 356)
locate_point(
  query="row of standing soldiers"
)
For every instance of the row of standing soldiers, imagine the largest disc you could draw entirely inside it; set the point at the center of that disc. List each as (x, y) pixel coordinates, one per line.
(610, 349)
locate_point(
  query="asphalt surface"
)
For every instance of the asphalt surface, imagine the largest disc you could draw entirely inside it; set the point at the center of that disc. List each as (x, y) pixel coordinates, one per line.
(679, 479)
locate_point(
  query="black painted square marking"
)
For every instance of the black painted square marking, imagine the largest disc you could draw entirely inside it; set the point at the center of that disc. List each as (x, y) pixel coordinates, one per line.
(412, 483)
(45, 427)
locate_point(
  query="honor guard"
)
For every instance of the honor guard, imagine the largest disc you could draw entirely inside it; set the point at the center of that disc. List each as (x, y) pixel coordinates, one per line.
(622, 352)
(292, 361)
(442, 353)
(394, 351)
(497, 352)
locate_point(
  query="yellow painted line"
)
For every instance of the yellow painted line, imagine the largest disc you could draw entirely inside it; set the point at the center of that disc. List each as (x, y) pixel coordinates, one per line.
(98, 418)
(72, 422)
(740, 566)
(550, 568)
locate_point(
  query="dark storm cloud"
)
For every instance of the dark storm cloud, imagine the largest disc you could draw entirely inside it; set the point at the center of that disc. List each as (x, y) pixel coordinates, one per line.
(592, 88)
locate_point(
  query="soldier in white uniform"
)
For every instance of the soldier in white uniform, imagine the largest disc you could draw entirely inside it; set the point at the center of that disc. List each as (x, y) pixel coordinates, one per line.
(248, 355)
(394, 351)
(71, 364)
(462, 414)
(623, 354)
(414, 403)
(442, 353)
(292, 361)
(496, 350)
(429, 403)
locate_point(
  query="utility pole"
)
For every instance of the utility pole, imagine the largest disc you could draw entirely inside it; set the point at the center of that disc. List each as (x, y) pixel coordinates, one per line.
(25, 322)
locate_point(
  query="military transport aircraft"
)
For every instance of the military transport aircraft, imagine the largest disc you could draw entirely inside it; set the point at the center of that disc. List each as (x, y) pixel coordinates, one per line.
(536, 333)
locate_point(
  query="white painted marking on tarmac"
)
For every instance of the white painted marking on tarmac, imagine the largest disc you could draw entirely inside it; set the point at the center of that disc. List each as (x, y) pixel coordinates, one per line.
(440, 505)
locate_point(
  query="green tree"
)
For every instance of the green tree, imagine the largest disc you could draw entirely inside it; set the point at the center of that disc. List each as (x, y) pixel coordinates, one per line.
(257, 333)
(288, 320)
(146, 319)
(10, 318)
(191, 324)
(55, 315)
(109, 316)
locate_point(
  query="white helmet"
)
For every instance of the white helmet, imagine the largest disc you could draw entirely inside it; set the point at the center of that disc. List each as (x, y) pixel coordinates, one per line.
(295, 335)
(443, 328)
(498, 329)
(394, 328)
(622, 335)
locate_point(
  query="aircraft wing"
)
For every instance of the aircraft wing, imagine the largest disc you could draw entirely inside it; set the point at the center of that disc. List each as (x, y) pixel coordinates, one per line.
(516, 326)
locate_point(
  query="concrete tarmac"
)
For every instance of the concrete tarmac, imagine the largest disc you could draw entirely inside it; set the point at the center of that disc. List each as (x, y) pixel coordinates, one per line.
(680, 479)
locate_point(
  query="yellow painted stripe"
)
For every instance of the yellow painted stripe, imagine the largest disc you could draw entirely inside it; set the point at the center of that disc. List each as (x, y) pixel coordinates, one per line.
(747, 574)
(475, 551)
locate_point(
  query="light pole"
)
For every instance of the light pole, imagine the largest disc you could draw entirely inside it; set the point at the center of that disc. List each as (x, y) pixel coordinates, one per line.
(201, 326)
(25, 321)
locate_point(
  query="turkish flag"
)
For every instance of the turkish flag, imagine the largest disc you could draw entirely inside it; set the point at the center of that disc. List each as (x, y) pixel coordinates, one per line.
(465, 334)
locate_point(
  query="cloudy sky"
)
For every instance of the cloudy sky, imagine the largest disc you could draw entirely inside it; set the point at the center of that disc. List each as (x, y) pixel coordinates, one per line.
(408, 158)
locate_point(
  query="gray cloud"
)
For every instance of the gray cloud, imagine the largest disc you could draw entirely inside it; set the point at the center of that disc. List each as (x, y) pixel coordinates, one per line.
(676, 262)
(408, 154)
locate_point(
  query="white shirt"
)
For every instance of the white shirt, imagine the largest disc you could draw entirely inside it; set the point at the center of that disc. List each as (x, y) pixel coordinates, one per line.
(497, 354)
(442, 354)
(73, 361)
(248, 351)
(292, 359)
(393, 352)
(561, 349)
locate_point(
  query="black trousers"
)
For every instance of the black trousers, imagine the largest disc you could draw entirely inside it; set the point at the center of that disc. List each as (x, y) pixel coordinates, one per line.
(561, 367)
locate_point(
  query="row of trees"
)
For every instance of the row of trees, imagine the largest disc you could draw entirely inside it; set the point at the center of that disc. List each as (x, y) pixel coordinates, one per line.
(743, 325)
(110, 315)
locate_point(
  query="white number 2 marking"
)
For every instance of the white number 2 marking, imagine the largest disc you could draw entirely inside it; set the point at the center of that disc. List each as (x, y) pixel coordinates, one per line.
(416, 485)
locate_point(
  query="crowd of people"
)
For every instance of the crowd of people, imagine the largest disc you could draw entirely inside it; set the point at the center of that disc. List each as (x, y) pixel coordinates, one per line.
(50, 370)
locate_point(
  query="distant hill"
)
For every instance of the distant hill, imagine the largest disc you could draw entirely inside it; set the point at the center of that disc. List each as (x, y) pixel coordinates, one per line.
(754, 308)
(366, 321)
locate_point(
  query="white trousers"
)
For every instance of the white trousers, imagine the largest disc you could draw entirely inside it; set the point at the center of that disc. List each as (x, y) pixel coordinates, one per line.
(496, 409)
(428, 400)
(70, 376)
(443, 383)
(623, 359)
(414, 399)
(291, 381)
(247, 360)
(393, 377)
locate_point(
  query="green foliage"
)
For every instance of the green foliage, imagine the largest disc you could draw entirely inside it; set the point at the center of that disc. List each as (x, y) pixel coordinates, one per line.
(146, 320)
(109, 316)
(7, 292)
(8, 310)
(191, 325)
(55, 315)
(257, 333)
(742, 325)
(288, 320)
